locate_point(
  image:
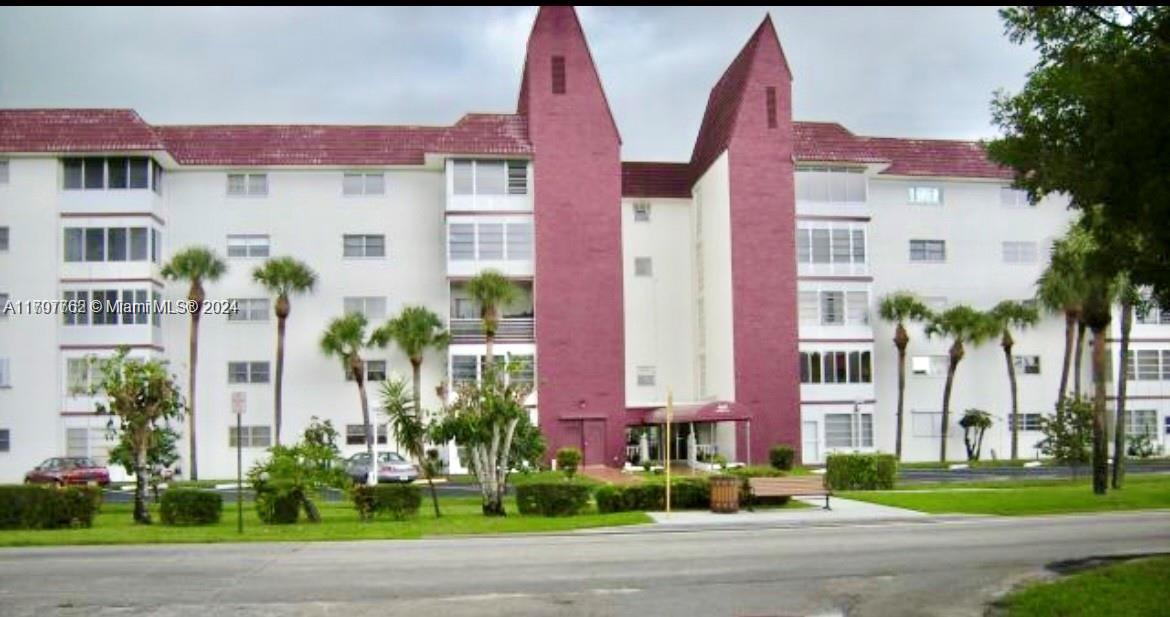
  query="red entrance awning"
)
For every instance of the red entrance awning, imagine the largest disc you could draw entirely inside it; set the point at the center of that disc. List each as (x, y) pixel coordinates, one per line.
(714, 411)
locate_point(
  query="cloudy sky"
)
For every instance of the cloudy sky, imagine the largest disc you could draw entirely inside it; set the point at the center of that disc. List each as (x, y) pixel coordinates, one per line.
(921, 72)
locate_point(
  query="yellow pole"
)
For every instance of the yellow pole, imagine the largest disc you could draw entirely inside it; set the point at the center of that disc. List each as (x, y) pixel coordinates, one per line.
(669, 417)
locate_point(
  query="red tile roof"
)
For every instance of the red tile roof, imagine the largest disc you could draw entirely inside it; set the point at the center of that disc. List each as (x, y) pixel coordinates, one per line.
(75, 130)
(831, 143)
(656, 180)
(486, 134)
(264, 145)
(937, 157)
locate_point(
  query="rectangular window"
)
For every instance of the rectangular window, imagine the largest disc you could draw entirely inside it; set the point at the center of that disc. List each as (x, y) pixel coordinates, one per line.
(1014, 198)
(808, 311)
(252, 185)
(558, 75)
(931, 195)
(820, 246)
(643, 266)
(95, 244)
(5, 440)
(1141, 422)
(156, 176)
(1019, 252)
(247, 245)
(355, 434)
(461, 241)
(118, 247)
(490, 178)
(3, 303)
(82, 375)
(108, 310)
(931, 366)
(74, 244)
(821, 184)
(464, 370)
(517, 177)
(857, 303)
(95, 173)
(80, 301)
(119, 171)
(491, 241)
(803, 246)
(363, 184)
(250, 309)
(1031, 422)
(373, 307)
(1027, 365)
(357, 245)
(926, 423)
(836, 367)
(3, 239)
(931, 251)
(139, 173)
(139, 243)
(519, 241)
(3, 172)
(832, 308)
(810, 367)
(1143, 365)
(73, 170)
(155, 245)
(375, 370)
(247, 372)
(250, 437)
(843, 430)
(646, 375)
(838, 244)
(525, 369)
(641, 212)
(463, 178)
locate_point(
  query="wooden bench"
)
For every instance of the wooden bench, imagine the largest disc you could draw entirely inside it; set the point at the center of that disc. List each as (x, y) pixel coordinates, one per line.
(792, 486)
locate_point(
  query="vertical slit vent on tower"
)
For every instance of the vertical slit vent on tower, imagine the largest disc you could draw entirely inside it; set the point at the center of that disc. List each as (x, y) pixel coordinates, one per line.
(770, 96)
(558, 74)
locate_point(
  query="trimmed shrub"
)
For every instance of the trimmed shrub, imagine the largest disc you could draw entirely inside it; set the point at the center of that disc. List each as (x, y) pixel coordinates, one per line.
(568, 459)
(552, 498)
(39, 507)
(689, 494)
(860, 472)
(190, 506)
(400, 501)
(685, 494)
(781, 457)
(279, 502)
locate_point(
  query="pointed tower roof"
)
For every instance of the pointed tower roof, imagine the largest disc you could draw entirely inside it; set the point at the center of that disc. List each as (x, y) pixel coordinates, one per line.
(724, 101)
(557, 29)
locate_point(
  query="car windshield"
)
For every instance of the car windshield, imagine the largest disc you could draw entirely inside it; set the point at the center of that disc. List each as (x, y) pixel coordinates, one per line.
(383, 457)
(80, 462)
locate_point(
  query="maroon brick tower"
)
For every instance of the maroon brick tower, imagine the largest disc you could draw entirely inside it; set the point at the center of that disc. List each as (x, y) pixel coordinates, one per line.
(580, 351)
(749, 115)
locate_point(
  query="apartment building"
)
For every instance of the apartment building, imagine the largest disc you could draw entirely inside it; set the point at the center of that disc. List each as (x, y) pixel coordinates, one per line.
(741, 285)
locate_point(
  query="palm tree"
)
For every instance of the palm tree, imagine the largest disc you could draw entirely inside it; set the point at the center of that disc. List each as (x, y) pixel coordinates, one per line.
(1129, 297)
(492, 290)
(1060, 289)
(414, 330)
(344, 339)
(1009, 315)
(900, 307)
(283, 276)
(410, 429)
(963, 325)
(196, 264)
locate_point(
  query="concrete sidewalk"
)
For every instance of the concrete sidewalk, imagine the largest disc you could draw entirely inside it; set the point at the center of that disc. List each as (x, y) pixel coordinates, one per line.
(843, 511)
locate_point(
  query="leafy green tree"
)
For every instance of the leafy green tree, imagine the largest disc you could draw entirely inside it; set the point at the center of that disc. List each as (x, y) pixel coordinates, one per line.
(282, 277)
(162, 453)
(492, 291)
(975, 423)
(415, 330)
(1060, 290)
(195, 265)
(1068, 435)
(901, 307)
(1091, 123)
(410, 429)
(142, 396)
(311, 464)
(1009, 315)
(964, 326)
(483, 420)
(344, 339)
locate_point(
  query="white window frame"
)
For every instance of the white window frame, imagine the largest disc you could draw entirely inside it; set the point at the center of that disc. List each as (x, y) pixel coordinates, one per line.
(1134, 429)
(366, 240)
(927, 244)
(1022, 362)
(250, 310)
(1014, 198)
(254, 436)
(646, 376)
(641, 212)
(1030, 422)
(1019, 252)
(929, 365)
(252, 372)
(252, 184)
(254, 246)
(363, 184)
(836, 181)
(924, 195)
(854, 309)
(374, 308)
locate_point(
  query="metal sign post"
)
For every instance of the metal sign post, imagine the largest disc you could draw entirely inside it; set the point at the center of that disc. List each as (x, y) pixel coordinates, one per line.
(669, 419)
(239, 403)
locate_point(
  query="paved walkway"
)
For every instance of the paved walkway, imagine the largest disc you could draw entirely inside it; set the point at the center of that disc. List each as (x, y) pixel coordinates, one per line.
(843, 511)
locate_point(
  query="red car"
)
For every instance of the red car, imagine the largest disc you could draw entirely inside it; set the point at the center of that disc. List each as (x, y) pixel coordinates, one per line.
(70, 470)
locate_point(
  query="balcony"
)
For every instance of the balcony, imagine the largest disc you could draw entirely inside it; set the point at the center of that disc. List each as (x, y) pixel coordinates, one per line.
(511, 330)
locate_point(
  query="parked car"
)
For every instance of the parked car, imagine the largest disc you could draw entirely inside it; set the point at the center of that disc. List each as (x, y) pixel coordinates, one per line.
(68, 470)
(392, 468)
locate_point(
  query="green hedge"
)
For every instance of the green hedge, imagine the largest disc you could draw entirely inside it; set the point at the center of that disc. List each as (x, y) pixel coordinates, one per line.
(39, 507)
(190, 506)
(400, 501)
(279, 502)
(685, 494)
(860, 472)
(552, 498)
(568, 459)
(781, 457)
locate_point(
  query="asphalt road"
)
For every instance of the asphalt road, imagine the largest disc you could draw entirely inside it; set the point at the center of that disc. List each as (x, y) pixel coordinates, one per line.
(936, 567)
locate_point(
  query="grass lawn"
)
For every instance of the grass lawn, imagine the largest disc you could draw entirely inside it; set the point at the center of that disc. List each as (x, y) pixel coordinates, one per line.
(461, 515)
(1140, 587)
(1010, 498)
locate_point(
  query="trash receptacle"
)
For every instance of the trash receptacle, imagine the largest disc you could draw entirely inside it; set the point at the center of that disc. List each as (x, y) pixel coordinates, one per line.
(725, 494)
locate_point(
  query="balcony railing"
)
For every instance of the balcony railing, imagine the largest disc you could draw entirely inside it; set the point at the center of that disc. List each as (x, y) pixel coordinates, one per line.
(513, 330)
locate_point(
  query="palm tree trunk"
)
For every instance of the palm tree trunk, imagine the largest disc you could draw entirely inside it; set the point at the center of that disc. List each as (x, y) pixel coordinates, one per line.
(1011, 369)
(1119, 424)
(1100, 452)
(192, 362)
(489, 343)
(1080, 353)
(1069, 337)
(956, 355)
(900, 340)
(278, 401)
(416, 368)
(371, 430)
